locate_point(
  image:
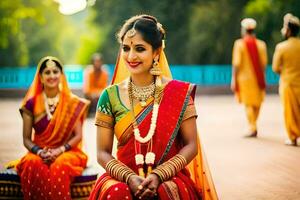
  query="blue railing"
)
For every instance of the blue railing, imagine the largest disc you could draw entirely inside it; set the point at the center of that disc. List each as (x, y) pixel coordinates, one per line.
(205, 75)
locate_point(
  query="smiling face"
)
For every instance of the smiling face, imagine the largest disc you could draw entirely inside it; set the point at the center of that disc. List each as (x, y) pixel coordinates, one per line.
(50, 76)
(138, 54)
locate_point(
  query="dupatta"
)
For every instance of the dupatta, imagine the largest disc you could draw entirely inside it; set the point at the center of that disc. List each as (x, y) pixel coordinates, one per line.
(167, 124)
(69, 110)
(251, 45)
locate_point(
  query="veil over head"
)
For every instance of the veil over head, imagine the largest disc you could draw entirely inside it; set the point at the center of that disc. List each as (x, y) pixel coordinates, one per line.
(36, 88)
(121, 72)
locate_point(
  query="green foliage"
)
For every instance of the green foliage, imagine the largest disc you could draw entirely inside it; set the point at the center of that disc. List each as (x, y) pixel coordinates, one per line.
(198, 31)
(30, 30)
(212, 31)
(269, 15)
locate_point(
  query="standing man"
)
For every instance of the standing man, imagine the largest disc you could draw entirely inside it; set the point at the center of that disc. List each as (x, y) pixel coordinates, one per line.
(249, 59)
(286, 62)
(95, 80)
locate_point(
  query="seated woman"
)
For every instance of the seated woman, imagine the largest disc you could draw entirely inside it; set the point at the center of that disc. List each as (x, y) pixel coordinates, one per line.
(56, 116)
(154, 121)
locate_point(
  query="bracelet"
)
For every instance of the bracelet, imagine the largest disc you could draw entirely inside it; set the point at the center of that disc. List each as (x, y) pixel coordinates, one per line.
(35, 149)
(67, 147)
(118, 170)
(170, 168)
(39, 152)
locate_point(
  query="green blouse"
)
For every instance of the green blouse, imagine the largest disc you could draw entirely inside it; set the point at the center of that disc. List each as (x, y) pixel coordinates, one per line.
(110, 103)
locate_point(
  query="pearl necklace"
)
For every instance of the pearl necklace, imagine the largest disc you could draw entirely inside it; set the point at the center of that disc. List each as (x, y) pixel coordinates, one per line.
(150, 156)
(136, 130)
(50, 104)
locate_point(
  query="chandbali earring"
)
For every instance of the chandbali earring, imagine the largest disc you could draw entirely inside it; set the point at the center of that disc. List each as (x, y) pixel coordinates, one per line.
(155, 70)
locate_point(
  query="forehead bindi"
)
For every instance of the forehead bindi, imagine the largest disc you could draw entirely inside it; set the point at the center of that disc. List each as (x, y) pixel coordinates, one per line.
(135, 40)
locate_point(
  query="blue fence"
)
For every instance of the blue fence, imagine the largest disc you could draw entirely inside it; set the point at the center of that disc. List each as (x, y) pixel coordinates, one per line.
(205, 75)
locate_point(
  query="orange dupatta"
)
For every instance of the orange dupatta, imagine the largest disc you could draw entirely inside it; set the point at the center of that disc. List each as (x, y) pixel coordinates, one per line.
(69, 110)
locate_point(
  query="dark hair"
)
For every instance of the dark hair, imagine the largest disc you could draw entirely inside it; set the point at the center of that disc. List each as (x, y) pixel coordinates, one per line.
(294, 29)
(148, 26)
(43, 65)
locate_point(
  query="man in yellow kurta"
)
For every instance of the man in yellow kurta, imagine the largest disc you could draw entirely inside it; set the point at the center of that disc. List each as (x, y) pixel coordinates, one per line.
(249, 59)
(286, 62)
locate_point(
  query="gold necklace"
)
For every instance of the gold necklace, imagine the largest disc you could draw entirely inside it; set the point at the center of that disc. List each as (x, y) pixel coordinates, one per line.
(142, 93)
(149, 158)
(50, 104)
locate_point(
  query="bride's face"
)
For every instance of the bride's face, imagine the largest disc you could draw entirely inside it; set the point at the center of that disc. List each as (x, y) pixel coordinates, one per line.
(137, 54)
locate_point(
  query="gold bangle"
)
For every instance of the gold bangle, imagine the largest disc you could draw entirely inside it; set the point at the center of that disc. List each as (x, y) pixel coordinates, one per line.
(118, 170)
(170, 168)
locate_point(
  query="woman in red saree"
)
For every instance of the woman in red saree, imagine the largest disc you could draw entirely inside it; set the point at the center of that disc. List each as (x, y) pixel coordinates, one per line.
(154, 121)
(52, 132)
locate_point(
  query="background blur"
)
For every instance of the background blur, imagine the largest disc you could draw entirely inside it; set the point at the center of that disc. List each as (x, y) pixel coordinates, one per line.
(198, 31)
(200, 36)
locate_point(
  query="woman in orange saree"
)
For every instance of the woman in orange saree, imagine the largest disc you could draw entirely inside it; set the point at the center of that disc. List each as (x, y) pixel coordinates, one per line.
(52, 132)
(154, 120)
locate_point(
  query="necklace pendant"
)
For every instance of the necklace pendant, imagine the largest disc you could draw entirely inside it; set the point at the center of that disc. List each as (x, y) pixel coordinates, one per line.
(143, 103)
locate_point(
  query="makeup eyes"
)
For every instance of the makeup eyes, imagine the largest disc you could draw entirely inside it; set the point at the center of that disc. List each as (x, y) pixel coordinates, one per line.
(140, 49)
(126, 48)
(48, 72)
(137, 48)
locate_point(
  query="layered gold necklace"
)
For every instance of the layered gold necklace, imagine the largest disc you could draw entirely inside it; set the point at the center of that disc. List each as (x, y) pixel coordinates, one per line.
(142, 93)
(149, 158)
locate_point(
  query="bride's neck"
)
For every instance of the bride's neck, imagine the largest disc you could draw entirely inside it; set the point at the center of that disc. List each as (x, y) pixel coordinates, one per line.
(142, 79)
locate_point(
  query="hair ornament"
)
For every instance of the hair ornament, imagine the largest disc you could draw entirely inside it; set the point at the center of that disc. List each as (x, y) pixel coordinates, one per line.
(50, 63)
(132, 31)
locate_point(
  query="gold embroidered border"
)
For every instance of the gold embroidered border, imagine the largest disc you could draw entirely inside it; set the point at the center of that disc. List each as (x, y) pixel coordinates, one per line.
(104, 120)
(172, 190)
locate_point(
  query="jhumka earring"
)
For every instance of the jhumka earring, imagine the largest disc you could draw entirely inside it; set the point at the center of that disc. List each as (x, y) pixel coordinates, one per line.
(155, 70)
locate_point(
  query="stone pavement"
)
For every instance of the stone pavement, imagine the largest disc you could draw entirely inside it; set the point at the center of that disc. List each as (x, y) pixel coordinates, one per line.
(261, 168)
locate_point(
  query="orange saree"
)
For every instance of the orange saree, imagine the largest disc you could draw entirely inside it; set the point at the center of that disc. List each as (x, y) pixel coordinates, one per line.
(193, 182)
(52, 181)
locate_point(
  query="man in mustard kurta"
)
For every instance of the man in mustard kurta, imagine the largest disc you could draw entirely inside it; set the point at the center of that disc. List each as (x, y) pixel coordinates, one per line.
(249, 59)
(286, 62)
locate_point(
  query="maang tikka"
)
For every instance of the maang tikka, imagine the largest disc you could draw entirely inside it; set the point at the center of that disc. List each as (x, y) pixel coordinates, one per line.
(132, 31)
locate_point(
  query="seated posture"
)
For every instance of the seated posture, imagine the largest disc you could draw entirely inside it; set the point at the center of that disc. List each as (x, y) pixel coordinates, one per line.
(95, 80)
(154, 121)
(52, 132)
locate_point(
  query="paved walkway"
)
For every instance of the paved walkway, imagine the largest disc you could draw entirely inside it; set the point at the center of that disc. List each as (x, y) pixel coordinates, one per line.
(261, 168)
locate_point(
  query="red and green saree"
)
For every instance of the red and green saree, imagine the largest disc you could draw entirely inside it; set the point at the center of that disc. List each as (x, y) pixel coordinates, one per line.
(176, 106)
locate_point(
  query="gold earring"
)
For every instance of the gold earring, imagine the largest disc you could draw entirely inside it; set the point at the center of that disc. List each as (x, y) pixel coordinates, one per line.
(155, 70)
